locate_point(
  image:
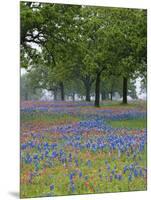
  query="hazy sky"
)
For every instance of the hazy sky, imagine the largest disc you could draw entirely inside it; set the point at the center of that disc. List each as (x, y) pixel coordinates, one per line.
(23, 71)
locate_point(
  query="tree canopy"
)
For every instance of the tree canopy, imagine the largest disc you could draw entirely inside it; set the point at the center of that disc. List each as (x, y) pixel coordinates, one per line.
(64, 45)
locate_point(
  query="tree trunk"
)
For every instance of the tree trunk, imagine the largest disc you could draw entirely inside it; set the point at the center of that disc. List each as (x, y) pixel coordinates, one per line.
(111, 95)
(87, 80)
(55, 94)
(73, 96)
(124, 90)
(87, 87)
(112, 89)
(62, 91)
(97, 90)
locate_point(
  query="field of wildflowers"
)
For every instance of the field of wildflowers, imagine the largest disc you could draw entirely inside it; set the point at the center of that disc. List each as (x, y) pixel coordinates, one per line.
(72, 148)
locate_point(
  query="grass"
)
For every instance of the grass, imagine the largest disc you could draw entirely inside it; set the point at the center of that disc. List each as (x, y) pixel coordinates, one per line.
(133, 123)
(119, 105)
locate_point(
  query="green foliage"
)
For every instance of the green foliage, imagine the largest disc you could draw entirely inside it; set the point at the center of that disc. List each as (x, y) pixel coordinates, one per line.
(75, 43)
(135, 123)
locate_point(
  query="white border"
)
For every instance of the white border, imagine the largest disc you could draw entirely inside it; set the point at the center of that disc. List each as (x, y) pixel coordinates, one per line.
(9, 99)
(110, 3)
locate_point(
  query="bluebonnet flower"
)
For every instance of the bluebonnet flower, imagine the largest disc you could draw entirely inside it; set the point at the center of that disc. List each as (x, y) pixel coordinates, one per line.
(125, 169)
(113, 172)
(80, 174)
(119, 177)
(76, 162)
(23, 146)
(70, 157)
(32, 144)
(46, 153)
(135, 172)
(94, 147)
(108, 167)
(61, 152)
(35, 157)
(131, 167)
(71, 176)
(141, 172)
(46, 145)
(52, 187)
(54, 154)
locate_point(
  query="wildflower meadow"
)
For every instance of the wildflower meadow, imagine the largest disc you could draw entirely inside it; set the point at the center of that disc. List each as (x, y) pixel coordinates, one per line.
(71, 148)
